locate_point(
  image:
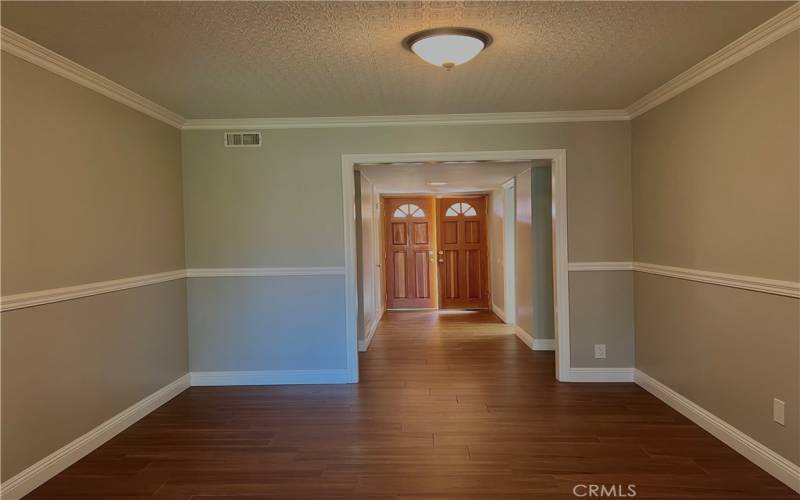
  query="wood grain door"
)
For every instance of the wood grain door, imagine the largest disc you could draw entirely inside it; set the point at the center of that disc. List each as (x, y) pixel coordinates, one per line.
(462, 254)
(409, 253)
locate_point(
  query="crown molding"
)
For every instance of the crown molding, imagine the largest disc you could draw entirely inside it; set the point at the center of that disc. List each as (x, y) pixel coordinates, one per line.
(602, 115)
(28, 50)
(768, 32)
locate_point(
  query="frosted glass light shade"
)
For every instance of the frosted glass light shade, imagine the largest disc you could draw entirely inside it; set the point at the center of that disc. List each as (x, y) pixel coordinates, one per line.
(447, 50)
(447, 47)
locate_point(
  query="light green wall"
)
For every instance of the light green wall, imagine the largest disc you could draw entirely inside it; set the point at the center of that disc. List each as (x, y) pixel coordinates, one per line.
(715, 188)
(280, 205)
(91, 191)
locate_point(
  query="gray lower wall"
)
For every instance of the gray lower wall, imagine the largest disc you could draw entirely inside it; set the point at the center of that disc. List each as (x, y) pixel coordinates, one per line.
(91, 192)
(601, 312)
(266, 323)
(280, 205)
(716, 187)
(69, 366)
(729, 350)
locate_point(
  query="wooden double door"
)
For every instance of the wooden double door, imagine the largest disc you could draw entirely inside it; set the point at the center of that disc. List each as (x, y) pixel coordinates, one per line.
(436, 253)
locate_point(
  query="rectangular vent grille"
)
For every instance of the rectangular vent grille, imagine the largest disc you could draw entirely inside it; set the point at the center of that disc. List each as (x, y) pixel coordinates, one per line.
(242, 139)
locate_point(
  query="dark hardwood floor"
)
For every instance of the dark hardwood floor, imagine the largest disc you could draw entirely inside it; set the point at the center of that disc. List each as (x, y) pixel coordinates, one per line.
(450, 406)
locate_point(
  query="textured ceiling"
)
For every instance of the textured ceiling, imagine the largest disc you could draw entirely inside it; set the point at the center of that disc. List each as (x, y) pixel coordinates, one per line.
(276, 59)
(461, 176)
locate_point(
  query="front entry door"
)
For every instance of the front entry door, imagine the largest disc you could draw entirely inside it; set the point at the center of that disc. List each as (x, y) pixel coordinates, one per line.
(463, 262)
(409, 253)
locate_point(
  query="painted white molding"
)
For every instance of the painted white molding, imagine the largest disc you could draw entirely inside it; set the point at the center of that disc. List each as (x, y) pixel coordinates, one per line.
(524, 336)
(781, 468)
(271, 377)
(765, 285)
(601, 266)
(544, 344)
(499, 313)
(558, 161)
(363, 345)
(768, 32)
(35, 475)
(29, 299)
(19, 46)
(409, 120)
(600, 375)
(262, 271)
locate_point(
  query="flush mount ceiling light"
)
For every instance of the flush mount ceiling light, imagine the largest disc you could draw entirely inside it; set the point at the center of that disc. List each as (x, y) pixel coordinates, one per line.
(437, 183)
(447, 47)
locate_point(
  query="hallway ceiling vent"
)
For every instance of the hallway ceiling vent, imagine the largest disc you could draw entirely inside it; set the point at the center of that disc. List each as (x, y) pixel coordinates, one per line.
(243, 139)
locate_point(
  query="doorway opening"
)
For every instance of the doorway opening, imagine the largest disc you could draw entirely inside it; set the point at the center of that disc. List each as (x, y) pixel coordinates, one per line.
(425, 231)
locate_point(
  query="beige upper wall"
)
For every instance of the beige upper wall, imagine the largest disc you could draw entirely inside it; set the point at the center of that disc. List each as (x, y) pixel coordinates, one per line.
(91, 189)
(716, 188)
(281, 204)
(716, 177)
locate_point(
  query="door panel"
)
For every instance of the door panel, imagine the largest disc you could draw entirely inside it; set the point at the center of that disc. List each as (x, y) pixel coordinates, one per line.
(409, 253)
(463, 260)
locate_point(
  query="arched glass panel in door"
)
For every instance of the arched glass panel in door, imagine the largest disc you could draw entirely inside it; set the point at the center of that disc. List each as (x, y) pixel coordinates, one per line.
(461, 208)
(408, 210)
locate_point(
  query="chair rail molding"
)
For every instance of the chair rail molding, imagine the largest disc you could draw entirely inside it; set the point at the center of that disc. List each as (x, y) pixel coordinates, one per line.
(601, 266)
(41, 297)
(753, 283)
(262, 271)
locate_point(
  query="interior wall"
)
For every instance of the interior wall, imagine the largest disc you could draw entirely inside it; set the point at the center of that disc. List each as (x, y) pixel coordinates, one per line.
(91, 191)
(524, 252)
(542, 214)
(237, 201)
(496, 262)
(369, 307)
(716, 189)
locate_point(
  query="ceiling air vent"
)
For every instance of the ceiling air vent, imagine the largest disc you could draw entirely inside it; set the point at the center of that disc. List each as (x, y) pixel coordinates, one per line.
(243, 139)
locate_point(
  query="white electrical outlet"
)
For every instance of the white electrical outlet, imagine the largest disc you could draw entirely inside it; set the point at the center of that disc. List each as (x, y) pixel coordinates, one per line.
(778, 411)
(600, 351)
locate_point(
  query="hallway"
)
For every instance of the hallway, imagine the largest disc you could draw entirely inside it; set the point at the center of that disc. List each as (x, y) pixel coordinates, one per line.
(450, 405)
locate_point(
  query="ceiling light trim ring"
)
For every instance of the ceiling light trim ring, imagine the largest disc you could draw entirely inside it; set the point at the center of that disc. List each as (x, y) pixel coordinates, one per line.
(413, 38)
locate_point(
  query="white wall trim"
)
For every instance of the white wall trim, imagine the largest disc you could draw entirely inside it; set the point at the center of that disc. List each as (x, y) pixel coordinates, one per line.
(600, 375)
(262, 271)
(363, 345)
(29, 299)
(524, 336)
(35, 475)
(765, 285)
(408, 120)
(271, 377)
(601, 266)
(768, 32)
(558, 159)
(781, 468)
(28, 50)
(499, 313)
(544, 344)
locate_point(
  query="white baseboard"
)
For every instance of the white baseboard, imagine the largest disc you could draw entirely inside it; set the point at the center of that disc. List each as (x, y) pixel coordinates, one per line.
(499, 312)
(363, 345)
(778, 466)
(600, 375)
(272, 377)
(544, 344)
(35, 475)
(524, 336)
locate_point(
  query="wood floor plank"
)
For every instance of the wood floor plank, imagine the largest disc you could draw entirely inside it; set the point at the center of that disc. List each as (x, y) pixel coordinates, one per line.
(451, 405)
